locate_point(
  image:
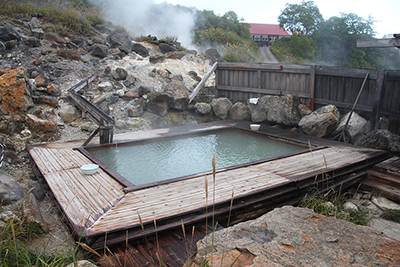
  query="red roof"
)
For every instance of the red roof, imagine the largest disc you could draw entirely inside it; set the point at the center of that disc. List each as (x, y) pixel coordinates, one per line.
(267, 29)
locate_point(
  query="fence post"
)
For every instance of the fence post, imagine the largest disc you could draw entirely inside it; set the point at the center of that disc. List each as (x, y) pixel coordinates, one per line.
(377, 99)
(312, 87)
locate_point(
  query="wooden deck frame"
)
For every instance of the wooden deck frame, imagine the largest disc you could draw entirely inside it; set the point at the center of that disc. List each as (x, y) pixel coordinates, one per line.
(101, 208)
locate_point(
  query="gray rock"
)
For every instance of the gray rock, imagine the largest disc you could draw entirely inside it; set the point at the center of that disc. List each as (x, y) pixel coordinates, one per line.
(213, 55)
(221, 107)
(88, 126)
(179, 93)
(157, 58)
(389, 228)
(258, 112)
(82, 263)
(36, 189)
(239, 111)
(165, 48)
(86, 58)
(36, 28)
(121, 124)
(136, 108)
(32, 42)
(290, 236)
(202, 108)
(8, 34)
(155, 121)
(381, 139)
(112, 99)
(350, 207)
(69, 113)
(140, 49)
(120, 74)
(276, 109)
(105, 86)
(10, 190)
(99, 50)
(129, 81)
(356, 128)
(136, 122)
(119, 38)
(143, 90)
(158, 107)
(8, 216)
(2, 46)
(321, 122)
(181, 102)
(30, 209)
(304, 110)
(385, 204)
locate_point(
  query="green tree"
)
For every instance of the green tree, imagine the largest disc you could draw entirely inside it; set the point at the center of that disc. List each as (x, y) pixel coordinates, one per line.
(304, 18)
(337, 41)
(298, 49)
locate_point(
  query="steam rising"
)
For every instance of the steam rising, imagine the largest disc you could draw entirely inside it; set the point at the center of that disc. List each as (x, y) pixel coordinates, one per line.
(145, 17)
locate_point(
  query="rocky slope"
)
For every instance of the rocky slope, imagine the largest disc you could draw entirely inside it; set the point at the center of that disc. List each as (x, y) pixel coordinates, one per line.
(142, 85)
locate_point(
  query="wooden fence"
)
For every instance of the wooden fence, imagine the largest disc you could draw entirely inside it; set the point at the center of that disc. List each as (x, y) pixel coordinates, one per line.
(316, 86)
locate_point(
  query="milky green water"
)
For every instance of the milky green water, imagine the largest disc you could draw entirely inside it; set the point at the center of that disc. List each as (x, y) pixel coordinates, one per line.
(161, 160)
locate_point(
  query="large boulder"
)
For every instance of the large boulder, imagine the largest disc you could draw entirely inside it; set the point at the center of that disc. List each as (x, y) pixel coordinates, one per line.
(119, 39)
(165, 48)
(202, 108)
(136, 108)
(15, 97)
(213, 55)
(10, 190)
(179, 92)
(158, 107)
(292, 236)
(69, 113)
(322, 122)
(239, 111)
(99, 50)
(38, 125)
(8, 34)
(221, 107)
(276, 109)
(140, 49)
(356, 128)
(381, 139)
(36, 28)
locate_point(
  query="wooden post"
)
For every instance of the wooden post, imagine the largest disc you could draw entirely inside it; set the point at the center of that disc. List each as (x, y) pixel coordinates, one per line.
(377, 99)
(202, 82)
(106, 134)
(312, 87)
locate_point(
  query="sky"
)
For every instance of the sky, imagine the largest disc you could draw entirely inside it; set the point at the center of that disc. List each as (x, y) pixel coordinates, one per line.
(384, 12)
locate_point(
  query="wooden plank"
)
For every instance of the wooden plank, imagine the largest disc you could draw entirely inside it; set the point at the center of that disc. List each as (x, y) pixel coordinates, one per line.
(311, 87)
(345, 72)
(203, 81)
(264, 91)
(377, 100)
(386, 42)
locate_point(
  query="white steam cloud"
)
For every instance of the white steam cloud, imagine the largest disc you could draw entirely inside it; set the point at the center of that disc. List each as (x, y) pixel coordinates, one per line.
(145, 17)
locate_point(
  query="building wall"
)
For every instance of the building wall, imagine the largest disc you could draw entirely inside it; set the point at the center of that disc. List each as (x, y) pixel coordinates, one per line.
(265, 40)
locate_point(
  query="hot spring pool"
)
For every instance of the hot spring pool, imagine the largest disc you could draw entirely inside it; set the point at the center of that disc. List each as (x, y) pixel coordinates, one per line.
(162, 159)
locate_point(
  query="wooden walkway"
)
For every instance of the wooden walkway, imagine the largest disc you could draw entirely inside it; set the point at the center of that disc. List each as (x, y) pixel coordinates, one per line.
(97, 205)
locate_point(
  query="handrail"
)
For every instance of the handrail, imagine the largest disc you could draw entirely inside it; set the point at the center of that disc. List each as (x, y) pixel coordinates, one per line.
(96, 114)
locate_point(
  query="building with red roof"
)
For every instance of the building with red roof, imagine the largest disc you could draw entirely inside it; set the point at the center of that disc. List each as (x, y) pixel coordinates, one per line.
(266, 34)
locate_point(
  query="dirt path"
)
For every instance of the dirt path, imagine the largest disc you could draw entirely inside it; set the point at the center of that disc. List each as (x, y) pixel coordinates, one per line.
(267, 55)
